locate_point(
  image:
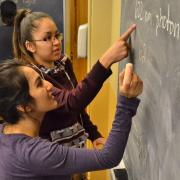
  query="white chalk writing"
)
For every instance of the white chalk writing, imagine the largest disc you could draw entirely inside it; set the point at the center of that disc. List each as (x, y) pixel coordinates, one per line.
(164, 22)
(160, 21)
(141, 14)
(144, 54)
(29, 2)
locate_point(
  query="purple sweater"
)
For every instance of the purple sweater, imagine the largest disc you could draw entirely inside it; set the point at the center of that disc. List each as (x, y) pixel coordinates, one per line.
(23, 157)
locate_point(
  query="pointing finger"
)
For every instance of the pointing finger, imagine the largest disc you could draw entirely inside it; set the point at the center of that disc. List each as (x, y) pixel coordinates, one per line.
(126, 34)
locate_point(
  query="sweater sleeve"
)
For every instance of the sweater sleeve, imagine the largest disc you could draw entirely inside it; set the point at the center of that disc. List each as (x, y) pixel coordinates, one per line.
(85, 120)
(45, 158)
(79, 97)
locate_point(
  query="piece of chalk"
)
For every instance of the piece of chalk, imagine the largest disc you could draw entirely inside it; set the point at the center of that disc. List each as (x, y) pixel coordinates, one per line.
(128, 73)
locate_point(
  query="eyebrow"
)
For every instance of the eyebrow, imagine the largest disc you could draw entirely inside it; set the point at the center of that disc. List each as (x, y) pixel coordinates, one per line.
(49, 32)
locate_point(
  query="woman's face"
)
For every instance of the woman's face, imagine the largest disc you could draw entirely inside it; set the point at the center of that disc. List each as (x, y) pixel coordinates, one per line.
(40, 91)
(46, 41)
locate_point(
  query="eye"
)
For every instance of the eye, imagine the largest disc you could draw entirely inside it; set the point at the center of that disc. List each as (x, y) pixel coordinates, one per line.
(58, 36)
(40, 82)
(47, 38)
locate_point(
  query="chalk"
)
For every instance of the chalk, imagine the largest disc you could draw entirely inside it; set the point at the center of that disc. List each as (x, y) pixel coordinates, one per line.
(128, 74)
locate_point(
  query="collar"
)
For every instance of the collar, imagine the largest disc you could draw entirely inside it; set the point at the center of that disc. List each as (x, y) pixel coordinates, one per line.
(59, 66)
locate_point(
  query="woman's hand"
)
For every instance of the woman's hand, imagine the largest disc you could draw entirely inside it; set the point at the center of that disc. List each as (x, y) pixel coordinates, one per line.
(130, 85)
(118, 50)
(99, 142)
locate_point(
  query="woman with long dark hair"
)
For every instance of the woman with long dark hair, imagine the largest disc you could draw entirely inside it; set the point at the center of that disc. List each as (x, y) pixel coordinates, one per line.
(25, 97)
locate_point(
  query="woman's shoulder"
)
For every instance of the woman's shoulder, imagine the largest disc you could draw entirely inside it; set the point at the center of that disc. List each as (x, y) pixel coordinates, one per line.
(31, 143)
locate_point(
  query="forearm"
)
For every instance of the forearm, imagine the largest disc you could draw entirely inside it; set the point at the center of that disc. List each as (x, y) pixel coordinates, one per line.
(79, 97)
(112, 153)
(113, 150)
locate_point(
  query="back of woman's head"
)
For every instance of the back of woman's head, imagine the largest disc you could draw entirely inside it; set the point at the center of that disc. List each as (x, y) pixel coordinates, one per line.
(14, 91)
(25, 23)
(8, 12)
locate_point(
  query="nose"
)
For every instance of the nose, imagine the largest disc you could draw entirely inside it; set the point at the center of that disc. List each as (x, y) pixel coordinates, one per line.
(56, 41)
(48, 85)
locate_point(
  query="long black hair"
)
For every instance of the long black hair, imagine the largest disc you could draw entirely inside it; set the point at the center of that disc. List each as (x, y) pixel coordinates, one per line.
(14, 91)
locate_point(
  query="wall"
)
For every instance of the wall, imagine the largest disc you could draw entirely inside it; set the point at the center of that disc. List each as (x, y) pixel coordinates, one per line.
(67, 27)
(104, 28)
(113, 83)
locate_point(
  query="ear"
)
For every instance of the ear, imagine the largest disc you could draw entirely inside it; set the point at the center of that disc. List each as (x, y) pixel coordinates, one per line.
(28, 109)
(23, 109)
(30, 46)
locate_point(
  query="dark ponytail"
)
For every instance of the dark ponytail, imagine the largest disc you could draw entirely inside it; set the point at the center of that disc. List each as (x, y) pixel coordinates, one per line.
(20, 51)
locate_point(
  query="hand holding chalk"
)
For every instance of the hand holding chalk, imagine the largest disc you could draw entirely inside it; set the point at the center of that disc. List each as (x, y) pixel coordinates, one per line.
(130, 85)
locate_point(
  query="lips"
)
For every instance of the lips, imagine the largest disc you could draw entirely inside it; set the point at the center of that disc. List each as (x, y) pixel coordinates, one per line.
(57, 50)
(51, 96)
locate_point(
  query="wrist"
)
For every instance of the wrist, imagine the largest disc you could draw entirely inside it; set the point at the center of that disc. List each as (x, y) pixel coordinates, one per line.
(105, 62)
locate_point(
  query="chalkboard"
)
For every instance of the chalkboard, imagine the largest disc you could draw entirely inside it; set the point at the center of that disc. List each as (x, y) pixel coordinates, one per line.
(153, 150)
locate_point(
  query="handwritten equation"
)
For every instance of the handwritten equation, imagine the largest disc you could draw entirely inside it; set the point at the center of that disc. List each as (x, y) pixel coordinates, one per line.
(158, 20)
